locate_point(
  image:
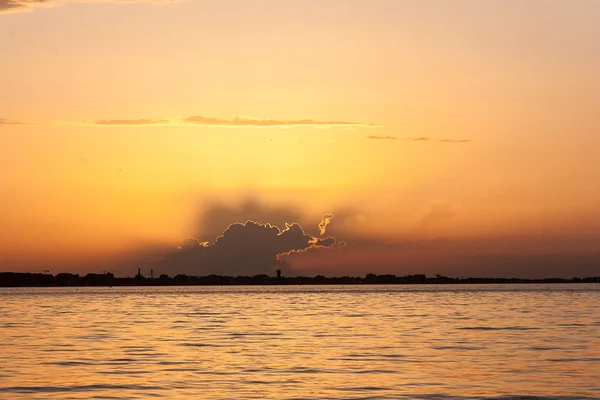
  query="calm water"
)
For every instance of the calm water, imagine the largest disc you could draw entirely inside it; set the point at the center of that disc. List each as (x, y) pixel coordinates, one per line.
(333, 342)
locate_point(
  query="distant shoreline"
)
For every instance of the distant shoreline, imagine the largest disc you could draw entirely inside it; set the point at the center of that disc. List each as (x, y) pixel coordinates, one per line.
(24, 279)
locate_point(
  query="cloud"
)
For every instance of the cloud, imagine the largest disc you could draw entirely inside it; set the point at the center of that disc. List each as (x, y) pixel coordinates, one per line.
(455, 141)
(197, 120)
(454, 257)
(216, 215)
(8, 121)
(7, 6)
(426, 139)
(420, 139)
(277, 123)
(324, 222)
(134, 122)
(316, 247)
(11, 5)
(381, 137)
(243, 249)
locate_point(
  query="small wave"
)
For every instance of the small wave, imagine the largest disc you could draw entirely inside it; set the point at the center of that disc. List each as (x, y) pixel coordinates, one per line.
(199, 345)
(240, 334)
(305, 370)
(375, 371)
(458, 348)
(126, 372)
(362, 389)
(497, 328)
(583, 359)
(68, 363)
(543, 348)
(123, 360)
(83, 388)
(502, 397)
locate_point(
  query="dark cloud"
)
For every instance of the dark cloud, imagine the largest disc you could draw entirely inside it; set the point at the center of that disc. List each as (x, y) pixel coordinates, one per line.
(375, 137)
(317, 246)
(326, 242)
(243, 249)
(12, 5)
(215, 216)
(479, 257)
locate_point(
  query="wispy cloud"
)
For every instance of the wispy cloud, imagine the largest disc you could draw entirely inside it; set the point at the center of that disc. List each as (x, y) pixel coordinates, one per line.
(324, 222)
(249, 122)
(8, 121)
(198, 120)
(133, 122)
(426, 139)
(9, 6)
(456, 140)
(374, 137)
(419, 139)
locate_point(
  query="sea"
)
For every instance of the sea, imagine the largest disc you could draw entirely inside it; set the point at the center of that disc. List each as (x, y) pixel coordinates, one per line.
(521, 341)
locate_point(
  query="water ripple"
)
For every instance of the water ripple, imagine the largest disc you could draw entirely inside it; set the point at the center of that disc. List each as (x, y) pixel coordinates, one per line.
(346, 342)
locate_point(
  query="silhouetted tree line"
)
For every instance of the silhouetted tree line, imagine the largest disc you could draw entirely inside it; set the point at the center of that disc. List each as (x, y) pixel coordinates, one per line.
(19, 279)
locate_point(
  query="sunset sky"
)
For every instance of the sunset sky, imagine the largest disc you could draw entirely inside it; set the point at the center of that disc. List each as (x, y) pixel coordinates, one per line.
(454, 137)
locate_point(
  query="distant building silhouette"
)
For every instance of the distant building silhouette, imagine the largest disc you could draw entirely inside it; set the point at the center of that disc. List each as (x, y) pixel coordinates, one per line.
(16, 279)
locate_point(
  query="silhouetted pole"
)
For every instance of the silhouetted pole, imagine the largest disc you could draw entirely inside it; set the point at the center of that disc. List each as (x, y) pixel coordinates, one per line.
(278, 274)
(151, 274)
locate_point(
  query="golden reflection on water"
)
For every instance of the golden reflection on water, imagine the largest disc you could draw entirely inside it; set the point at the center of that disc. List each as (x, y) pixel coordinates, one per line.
(300, 342)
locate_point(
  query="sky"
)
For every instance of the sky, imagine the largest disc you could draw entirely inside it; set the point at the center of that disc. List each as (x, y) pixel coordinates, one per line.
(457, 137)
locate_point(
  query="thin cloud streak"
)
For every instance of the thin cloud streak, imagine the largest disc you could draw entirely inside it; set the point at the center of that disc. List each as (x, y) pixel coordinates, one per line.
(456, 141)
(8, 121)
(374, 137)
(214, 122)
(134, 122)
(265, 123)
(426, 139)
(13, 6)
(419, 139)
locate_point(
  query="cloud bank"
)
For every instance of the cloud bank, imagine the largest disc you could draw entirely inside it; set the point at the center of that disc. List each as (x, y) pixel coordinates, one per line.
(248, 248)
(216, 215)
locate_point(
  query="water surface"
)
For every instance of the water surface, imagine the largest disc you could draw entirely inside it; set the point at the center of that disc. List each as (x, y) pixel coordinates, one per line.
(301, 342)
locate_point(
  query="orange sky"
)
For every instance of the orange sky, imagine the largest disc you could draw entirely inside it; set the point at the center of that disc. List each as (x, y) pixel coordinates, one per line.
(477, 122)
